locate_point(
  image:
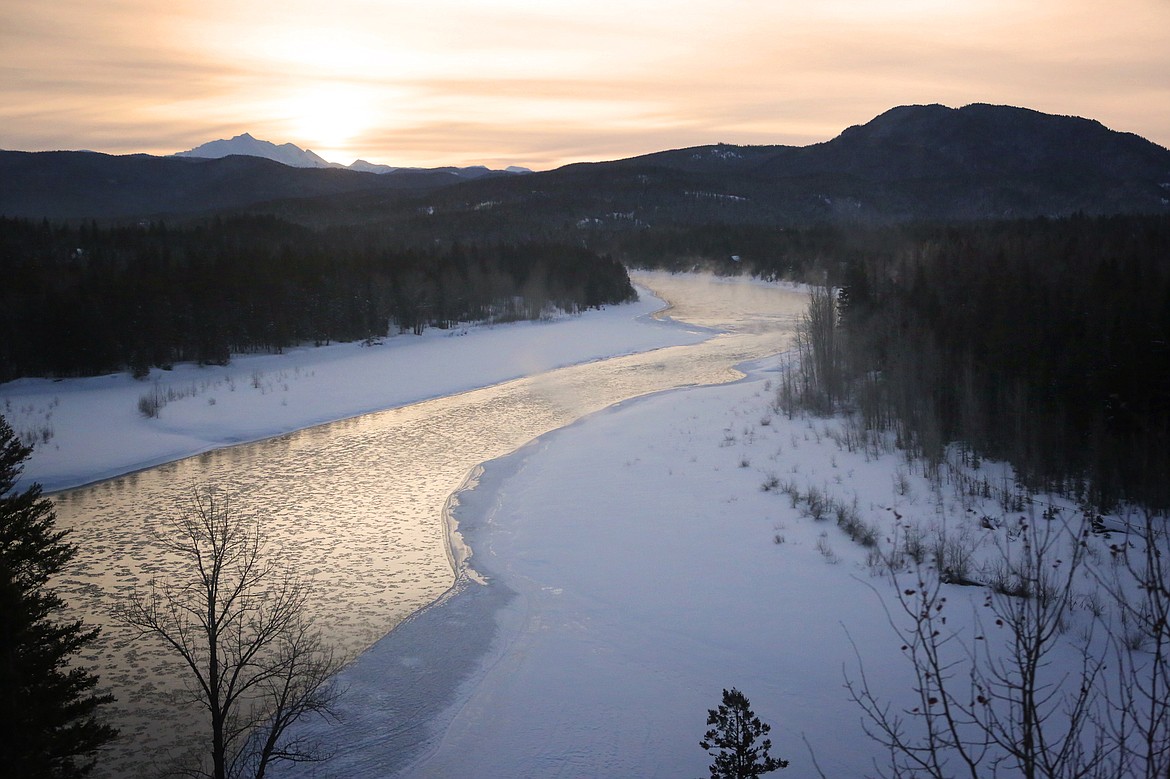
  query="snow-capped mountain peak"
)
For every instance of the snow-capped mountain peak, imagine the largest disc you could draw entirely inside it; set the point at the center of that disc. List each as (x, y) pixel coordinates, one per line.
(287, 153)
(294, 156)
(371, 167)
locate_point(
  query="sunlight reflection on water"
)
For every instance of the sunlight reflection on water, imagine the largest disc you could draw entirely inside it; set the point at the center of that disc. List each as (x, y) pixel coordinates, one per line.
(355, 507)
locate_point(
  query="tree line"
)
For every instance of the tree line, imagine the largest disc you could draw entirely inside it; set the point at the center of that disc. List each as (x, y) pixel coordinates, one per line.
(81, 300)
(1044, 342)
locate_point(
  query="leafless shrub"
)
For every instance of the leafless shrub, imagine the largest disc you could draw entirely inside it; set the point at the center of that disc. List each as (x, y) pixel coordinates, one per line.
(150, 403)
(953, 554)
(1001, 578)
(901, 482)
(816, 503)
(825, 549)
(1005, 711)
(849, 519)
(914, 543)
(789, 488)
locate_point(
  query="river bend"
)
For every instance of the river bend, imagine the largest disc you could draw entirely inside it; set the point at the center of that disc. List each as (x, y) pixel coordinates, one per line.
(355, 506)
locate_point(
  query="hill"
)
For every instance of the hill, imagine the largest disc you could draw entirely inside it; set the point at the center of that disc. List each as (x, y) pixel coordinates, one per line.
(912, 162)
(909, 163)
(88, 185)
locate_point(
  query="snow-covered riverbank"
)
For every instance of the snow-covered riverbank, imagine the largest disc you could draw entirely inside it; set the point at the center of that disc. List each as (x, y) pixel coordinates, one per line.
(627, 568)
(643, 559)
(634, 568)
(92, 428)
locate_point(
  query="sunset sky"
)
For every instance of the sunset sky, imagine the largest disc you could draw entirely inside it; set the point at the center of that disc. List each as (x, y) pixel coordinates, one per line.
(543, 82)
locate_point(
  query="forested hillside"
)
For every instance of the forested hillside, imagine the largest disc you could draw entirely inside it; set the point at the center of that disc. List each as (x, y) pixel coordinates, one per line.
(84, 300)
(911, 163)
(1045, 342)
(1042, 342)
(1043, 339)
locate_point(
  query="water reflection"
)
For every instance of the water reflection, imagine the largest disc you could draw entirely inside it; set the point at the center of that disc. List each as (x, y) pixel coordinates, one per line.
(355, 506)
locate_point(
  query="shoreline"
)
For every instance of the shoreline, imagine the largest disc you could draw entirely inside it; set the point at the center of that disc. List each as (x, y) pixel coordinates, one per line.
(473, 626)
(478, 600)
(575, 392)
(459, 552)
(96, 434)
(488, 479)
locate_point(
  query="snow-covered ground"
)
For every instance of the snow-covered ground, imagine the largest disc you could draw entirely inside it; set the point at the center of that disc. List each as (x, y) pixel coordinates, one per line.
(624, 569)
(632, 573)
(90, 429)
(628, 568)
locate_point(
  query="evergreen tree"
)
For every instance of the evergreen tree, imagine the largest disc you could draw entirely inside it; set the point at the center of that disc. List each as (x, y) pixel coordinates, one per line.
(48, 710)
(734, 733)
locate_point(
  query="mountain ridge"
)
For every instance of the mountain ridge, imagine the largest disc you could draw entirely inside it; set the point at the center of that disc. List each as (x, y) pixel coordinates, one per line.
(911, 162)
(245, 144)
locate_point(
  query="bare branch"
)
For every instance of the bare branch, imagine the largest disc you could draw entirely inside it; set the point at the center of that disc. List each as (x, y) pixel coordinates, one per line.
(238, 625)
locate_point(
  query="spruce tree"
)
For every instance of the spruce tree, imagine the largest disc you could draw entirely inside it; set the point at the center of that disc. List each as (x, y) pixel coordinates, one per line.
(732, 740)
(49, 724)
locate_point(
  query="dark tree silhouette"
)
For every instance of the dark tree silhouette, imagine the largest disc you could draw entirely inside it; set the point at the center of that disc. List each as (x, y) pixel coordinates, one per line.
(732, 740)
(238, 624)
(90, 299)
(48, 710)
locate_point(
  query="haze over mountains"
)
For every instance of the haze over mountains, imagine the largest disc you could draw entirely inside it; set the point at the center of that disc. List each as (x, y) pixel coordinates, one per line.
(292, 155)
(909, 163)
(286, 153)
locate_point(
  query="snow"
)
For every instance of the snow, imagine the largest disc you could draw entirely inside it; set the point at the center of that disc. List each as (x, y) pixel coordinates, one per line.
(632, 573)
(294, 156)
(622, 570)
(285, 153)
(629, 567)
(95, 430)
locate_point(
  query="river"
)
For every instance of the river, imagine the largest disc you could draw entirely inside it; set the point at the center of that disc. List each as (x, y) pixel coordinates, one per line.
(356, 506)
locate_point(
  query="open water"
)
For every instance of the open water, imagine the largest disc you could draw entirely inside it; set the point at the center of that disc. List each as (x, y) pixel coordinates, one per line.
(356, 507)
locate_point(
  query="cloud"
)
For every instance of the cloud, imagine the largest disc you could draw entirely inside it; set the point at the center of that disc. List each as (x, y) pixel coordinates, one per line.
(551, 82)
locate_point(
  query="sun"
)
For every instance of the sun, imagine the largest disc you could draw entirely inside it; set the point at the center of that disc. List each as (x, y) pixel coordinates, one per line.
(328, 118)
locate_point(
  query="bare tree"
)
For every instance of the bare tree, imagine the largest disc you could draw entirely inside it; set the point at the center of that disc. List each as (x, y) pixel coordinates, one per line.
(238, 624)
(1138, 585)
(988, 707)
(818, 342)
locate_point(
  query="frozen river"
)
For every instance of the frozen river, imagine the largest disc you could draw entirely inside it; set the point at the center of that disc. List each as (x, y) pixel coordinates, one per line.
(356, 507)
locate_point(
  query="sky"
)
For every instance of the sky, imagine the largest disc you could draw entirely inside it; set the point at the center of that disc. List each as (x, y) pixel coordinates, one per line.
(541, 83)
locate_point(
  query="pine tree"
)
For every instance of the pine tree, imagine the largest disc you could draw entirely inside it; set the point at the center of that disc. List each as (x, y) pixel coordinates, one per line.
(48, 710)
(736, 728)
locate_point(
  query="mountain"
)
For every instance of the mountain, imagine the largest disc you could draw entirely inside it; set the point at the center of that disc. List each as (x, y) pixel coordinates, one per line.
(294, 156)
(911, 163)
(921, 162)
(371, 167)
(286, 153)
(89, 185)
(220, 176)
(932, 162)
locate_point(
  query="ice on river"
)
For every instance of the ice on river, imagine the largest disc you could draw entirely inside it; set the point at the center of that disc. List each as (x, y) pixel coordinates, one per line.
(354, 507)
